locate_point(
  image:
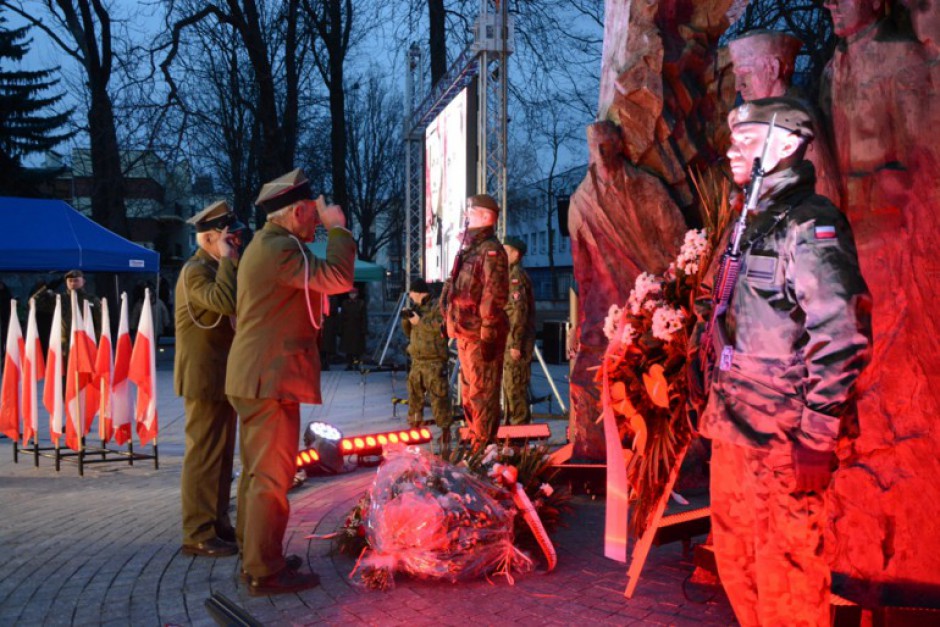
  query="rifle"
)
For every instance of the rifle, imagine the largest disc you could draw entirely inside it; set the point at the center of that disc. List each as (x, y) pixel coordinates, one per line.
(728, 276)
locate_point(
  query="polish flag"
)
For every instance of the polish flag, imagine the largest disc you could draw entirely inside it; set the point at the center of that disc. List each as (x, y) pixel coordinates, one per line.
(11, 403)
(143, 372)
(120, 418)
(78, 374)
(33, 370)
(52, 390)
(104, 370)
(92, 394)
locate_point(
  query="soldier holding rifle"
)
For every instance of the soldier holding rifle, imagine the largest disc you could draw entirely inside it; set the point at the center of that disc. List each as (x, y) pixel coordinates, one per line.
(785, 347)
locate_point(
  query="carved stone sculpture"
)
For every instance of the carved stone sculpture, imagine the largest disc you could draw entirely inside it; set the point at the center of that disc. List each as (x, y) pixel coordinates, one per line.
(884, 504)
(763, 68)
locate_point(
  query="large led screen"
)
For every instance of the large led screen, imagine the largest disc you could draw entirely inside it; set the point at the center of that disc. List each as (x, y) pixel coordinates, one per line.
(446, 175)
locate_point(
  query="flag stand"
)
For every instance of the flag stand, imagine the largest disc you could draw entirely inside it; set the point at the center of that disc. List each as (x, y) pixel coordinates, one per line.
(83, 456)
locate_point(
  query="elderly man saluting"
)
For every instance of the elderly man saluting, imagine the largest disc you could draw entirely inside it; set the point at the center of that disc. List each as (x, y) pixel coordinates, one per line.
(274, 365)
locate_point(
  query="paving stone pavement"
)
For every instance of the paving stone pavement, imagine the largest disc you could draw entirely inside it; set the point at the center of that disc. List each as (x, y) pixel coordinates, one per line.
(104, 549)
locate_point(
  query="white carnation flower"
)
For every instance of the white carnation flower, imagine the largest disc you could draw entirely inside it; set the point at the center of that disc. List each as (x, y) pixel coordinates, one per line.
(612, 322)
(666, 321)
(693, 249)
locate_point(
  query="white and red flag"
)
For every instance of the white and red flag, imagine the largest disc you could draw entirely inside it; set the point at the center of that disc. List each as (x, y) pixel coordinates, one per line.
(143, 372)
(34, 368)
(104, 369)
(120, 418)
(52, 389)
(11, 402)
(78, 375)
(92, 394)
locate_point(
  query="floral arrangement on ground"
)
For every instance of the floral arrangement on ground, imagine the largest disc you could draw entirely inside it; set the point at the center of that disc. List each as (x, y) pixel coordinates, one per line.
(452, 520)
(644, 375)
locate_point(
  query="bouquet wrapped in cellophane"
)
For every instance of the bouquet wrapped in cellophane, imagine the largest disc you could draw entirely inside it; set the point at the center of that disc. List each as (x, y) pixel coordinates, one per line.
(433, 520)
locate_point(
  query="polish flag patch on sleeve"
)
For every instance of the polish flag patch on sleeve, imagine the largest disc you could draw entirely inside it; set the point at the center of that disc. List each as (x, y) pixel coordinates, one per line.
(825, 232)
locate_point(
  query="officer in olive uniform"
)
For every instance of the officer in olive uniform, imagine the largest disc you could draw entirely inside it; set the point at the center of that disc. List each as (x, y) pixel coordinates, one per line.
(427, 347)
(474, 302)
(520, 343)
(274, 364)
(75, 282)
(799, 334)
(205, 308)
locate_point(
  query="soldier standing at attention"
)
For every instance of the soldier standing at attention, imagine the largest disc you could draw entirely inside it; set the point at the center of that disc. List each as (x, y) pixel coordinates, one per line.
(474, 300)
(520, 308)
(274, 365)
(205, 305)
(75, 282)
(427, 347)
(798, 328)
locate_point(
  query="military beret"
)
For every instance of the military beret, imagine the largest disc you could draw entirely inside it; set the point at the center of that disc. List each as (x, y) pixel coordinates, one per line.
(74, 274)
(283, 191)
(216, 216)
(764, 43)
(792, 115)
(419, 286)
(516, 243)
(483, 200)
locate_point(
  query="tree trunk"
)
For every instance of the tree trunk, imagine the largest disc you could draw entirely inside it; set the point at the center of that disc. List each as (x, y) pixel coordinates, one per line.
(437, 40)
(107, 194)
(338, 133)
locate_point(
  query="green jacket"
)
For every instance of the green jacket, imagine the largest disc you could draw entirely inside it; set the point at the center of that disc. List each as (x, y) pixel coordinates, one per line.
(274, 354)
(799, 322)
(475, 295)
(520, 308)
(426, 341)
(205, 310)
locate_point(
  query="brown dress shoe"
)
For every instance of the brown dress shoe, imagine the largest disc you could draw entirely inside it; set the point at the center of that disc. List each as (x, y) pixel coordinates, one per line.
(213, 547)
(286, 581)
(294, 562)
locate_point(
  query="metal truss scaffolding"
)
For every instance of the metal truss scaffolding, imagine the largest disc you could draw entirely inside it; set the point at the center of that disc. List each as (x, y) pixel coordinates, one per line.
(490, 49)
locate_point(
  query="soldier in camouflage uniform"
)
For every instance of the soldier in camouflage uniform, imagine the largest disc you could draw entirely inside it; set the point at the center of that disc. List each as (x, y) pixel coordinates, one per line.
(473, 304)
(428, 349)
(520, 308)
(799, 326)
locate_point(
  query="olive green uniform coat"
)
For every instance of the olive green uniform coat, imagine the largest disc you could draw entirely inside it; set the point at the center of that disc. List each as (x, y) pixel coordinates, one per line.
(799, 322)
(205, 309)
(427, 347)
(274, 365)
(520, 309)
(475, 299)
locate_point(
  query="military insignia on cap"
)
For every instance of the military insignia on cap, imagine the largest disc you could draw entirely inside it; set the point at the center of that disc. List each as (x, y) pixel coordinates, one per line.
(283, 191)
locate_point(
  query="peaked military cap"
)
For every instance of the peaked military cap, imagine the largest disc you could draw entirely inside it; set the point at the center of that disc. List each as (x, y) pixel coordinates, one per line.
(216, 217)
(516, 243)
(792, 115)
(764, 43)
(284, 190)
(485, 201)
(74, 274)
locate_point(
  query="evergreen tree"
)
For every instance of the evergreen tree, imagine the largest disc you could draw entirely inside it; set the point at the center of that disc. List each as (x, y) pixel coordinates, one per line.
(26, 124)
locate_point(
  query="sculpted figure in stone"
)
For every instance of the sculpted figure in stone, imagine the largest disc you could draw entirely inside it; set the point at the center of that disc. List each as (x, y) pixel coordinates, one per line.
(763, 64)
(622, 222)
(884, 120)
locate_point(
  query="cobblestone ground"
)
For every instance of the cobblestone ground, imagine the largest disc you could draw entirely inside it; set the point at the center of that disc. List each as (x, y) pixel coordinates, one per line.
(103, 549)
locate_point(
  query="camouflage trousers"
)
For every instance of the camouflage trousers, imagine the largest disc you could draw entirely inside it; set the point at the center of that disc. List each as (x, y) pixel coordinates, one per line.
(479, 389)
(429, 377)
(516, 375)
(768, 537)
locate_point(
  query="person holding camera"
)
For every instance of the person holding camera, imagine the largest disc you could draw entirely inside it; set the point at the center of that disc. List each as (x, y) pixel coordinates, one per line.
(427, 347)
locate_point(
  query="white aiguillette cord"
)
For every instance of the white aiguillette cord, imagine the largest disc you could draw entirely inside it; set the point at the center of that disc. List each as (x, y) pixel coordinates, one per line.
(304, 253)
(189, 307)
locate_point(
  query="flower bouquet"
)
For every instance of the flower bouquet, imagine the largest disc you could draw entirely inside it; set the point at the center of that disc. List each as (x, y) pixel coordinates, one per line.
(644, 371)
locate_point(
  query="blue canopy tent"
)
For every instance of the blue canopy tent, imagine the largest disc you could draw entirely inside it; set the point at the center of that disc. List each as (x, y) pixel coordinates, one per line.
(49, 235)
(364, 271)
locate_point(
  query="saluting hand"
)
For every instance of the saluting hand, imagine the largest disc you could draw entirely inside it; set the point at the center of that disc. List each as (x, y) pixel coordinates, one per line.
(330, 215)
(225, 245)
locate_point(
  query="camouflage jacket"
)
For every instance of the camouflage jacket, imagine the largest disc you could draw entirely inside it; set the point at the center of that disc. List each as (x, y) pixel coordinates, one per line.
(520, 308)
(475, 295)
(426, 341)
(799, 322)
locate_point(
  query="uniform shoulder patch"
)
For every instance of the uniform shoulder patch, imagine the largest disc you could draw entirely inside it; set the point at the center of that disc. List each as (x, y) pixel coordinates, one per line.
(825, 231)
(491, 253)
(515, 280)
